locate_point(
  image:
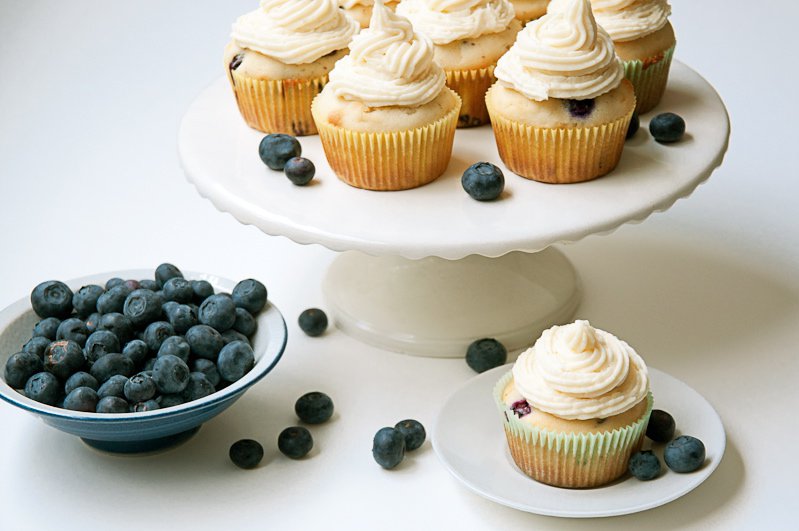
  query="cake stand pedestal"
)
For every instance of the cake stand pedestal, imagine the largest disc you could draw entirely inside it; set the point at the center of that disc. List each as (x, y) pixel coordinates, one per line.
(429, 270)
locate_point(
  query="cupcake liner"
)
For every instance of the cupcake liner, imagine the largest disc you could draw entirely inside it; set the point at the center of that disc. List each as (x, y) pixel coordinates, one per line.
(279, 105)
(390, 160)
(649, 79)
(562, 155)
(472, 85)
(574, 460)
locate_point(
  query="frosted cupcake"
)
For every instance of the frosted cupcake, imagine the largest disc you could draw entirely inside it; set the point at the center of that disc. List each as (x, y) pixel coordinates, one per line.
(575, 406)
(561, 106)
(527, 10)
(361, 10)
(469, 37)
(386, 118)
(279, 58)
(644, 41)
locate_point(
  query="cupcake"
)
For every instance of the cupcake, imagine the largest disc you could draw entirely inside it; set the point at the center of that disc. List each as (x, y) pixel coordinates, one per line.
(527, 10)
(279, 58)
(386, 118)
(575, 406)
(469, 37)
(361, 10)
(644, 41)
(561, 107)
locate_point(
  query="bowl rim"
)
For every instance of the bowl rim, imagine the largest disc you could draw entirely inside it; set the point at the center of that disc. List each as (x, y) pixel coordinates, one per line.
(270, 322)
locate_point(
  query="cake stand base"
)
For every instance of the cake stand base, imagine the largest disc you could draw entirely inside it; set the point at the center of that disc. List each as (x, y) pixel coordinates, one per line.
(436, 307)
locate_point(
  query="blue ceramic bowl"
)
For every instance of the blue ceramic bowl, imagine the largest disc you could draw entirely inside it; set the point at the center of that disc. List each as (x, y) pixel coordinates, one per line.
(146, 431)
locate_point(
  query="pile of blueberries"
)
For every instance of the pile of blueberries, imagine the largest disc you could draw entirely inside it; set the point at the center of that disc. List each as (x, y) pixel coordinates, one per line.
(683, 454)
(136, 345)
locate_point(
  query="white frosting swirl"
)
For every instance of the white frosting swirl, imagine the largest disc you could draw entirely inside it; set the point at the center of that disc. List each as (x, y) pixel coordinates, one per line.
(627, 20)
(563, 54)
(445, 21)
(389, 64)
(295, 31)
(578, 372)
(349, 4)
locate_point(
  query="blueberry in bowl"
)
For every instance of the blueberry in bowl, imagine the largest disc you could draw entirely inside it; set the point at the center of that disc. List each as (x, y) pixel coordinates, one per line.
(119, 423)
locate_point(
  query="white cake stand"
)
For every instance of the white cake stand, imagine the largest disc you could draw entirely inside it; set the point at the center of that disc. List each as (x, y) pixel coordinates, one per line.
(430, 270)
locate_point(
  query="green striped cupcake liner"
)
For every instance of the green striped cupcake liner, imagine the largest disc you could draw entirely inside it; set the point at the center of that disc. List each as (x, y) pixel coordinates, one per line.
(649, 79)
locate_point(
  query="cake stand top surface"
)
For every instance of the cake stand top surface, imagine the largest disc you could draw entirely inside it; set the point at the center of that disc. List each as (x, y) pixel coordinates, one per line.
(219, 154)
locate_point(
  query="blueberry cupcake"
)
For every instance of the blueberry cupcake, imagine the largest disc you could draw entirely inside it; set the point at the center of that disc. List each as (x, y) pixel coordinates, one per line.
(386, 118)
(361, 10)
(575, 406)
(644, 40)
(279, 59)
(561, 107)
(469, 36)
(527, 10)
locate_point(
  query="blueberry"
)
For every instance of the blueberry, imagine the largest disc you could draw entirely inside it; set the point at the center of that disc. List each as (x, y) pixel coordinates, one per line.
(169, 400)
(111, 282)
(276, 149)
(62, 358)
(299, 170)
(148, 283)
(413, 431)
(36, 345)
(388, 447)
(483, 181)
(149, 364)
(164, 272)
(684, 454)
(179, 290)
(52, 299)
(93, 322)
(580, 108)
(82, 399)
(182, 317)
(113, 300)
(644, 465)
(485, 354)
(236, 61)
(245, 322)
(198, 387)
(47, 328)
(661, 426)
(314, 407)
(205, 342)
(156, 333)
(142, 307)
(99, 344)
(635, 123)
(235, 360)
(81, 379)
(111, 365)
(202, 290)
(295, 442)
(147, 405)
(132, 285)
(73, 329)
(139, 388)
(218, 311)
(175, 346)
(171, 374)
(43, 387)
(114, 386)
(85, 300)
(246, 453)
(136, 351)
(521, 408)
(313, 322)
(250, 294)
(208, 368)
(20, 367)
(118, 324)
(667, 127)
(229, 336)
(112, 404)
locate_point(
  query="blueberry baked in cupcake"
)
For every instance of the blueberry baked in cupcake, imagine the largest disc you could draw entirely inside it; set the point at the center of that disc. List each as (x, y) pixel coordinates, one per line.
(279, 58)
(361, 10)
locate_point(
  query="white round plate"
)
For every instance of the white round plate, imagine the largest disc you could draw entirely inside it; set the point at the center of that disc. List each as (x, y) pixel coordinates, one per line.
(470, 442)
(219, 154)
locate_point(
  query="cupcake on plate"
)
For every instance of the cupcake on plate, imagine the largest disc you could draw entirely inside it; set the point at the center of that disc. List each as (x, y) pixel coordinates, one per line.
(469, 37)
(575, 406)
(386, 118)
(527, 10)
(644, 41)
(561, 107)
(361, 10)
(279, 58)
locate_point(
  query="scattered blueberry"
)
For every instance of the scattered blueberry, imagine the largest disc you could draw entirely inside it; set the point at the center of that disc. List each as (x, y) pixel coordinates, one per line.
(485, 354)
(171, 374)
(644, 465)
(164, 272)
(85, 300)
(52, 299)
(62, 358)
(112, 404)
(99, 344)
(36, 345)
(113, 300)
(175, 346)
(43, 387)
(388, 447)
(118, 324)
(81, 379)
(179, 290)
(314, 407)
(246, 453)
(156, 333)
(413, 431)
(20, 367)
(147, 405)
(114, 386)
(82, 399)
(313, 322)
(661, 426)
(521, 408)
(142, 307)
(218, 311)
(111, 365)
(276, 149)
(684, 454)
(299, 170)
(73, 329)
(580, 108)
(667, 127)
(635, 123)
(235, 360)
(250, 294)
(47, 328)
(137, 351)
(205, 342)
(295, 442)
(140, 388)
(208, 368)
(483, 181)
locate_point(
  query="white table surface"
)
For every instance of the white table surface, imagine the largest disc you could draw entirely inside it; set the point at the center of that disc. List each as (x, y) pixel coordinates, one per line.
(91, 95)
